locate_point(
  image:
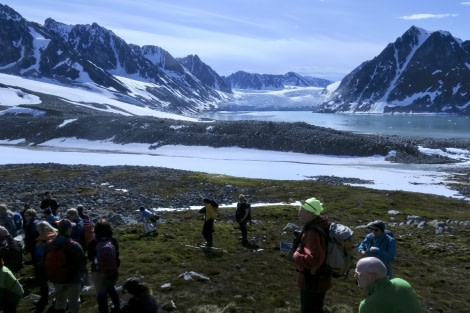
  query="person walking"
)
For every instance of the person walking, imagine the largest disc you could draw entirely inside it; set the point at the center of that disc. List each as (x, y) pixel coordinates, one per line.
(379, 244)
(385, 295)
(210, 210)
(243, 216)
(313, 278)
(103, 254)
(11, 290)
(46, 233)
(145, 216)
(65, 265)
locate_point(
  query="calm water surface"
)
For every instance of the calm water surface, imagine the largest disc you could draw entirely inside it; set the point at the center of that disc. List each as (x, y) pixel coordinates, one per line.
(436, 126)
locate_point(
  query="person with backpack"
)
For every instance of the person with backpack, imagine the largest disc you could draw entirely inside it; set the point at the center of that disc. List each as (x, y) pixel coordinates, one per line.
(243, 216)
(385, 295)
(142, 300)
(77, 226)
(46, 233)
(88, 226)
(103, 253)
(65, 265)
(210, 210)
(380, 244)
(11, 251)
(145, 217)
(11, 290)
(309, 257)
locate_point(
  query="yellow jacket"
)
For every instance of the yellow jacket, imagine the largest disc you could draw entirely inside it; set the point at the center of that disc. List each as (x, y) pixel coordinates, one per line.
(211, 211)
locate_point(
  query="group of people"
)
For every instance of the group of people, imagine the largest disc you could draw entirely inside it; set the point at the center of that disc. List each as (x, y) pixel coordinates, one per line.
(47, 238)
(210, 210)
(373, 270)
(60, 250)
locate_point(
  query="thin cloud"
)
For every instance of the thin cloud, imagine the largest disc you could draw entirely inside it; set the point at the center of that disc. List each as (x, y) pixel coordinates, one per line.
(425, 16)
(465, 3)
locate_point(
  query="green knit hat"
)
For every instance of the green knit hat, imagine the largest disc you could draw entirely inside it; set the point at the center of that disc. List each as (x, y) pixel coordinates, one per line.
(313, 205)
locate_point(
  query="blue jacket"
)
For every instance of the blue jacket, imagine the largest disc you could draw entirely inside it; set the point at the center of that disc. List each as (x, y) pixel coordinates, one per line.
(386, 251)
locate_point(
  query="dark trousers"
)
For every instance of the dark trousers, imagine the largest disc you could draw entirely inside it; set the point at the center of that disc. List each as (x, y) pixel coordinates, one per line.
(104, 286)
(243, 229)
(208, 229)
(311, 302)
(41, 276)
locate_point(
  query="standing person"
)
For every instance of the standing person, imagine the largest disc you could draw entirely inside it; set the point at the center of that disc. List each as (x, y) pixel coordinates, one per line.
(385, 295)
(243, 216)
(77, 226)
(103, 253)
(379, 244)
(210, 210)
(145, 216)
(10, 251)
(31, 234)
(142, 300)
(310, 247)
(6, 220)
(65, 265)
(11, 290)
(88, 231)
(46, 232)
(49, 202)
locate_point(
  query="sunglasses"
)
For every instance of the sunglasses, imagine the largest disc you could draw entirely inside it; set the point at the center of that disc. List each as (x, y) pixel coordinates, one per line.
(374, 229)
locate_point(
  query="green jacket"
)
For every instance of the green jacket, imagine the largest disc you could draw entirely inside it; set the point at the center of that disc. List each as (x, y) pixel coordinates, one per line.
(390, 296)
(11, 290)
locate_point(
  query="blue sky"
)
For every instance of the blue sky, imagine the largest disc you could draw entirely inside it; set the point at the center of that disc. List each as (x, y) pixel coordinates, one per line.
(320, 38)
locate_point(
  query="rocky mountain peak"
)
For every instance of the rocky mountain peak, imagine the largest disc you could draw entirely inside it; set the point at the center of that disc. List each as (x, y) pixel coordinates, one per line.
(421, 72)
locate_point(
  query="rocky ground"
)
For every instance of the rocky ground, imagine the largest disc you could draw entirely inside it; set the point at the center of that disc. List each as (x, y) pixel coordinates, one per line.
(129, 183)
(276, 136)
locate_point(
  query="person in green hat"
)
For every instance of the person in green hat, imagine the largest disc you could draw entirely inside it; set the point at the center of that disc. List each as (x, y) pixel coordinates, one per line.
(313, 279)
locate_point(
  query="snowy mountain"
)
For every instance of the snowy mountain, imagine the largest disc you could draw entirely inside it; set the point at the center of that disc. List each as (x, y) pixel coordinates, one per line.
(204, 73)
(254, 81)
(90, 56)
(421, 72)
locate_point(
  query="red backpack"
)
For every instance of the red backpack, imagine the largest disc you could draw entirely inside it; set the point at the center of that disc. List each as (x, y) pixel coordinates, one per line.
(57, 268)
(106, 259)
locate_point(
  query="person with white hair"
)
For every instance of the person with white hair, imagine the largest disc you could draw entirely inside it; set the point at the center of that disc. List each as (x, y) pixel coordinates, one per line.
(385, 295)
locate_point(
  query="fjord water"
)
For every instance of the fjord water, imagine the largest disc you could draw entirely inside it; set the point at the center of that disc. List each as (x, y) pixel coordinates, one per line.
(434, 126)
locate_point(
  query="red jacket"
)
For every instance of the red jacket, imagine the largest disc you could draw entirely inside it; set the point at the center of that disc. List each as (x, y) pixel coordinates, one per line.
(310, 254)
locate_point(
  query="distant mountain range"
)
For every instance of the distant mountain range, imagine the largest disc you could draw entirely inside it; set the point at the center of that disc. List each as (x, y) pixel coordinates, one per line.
(421, 72)
(81, 55)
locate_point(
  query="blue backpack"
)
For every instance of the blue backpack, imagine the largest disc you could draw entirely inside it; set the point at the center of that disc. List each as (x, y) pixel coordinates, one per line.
(18, 220)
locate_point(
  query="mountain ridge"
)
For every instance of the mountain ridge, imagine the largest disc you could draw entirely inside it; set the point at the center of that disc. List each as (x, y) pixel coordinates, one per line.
(421, 72)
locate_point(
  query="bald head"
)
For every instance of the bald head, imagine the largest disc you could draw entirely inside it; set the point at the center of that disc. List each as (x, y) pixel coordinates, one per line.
(369, 270)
